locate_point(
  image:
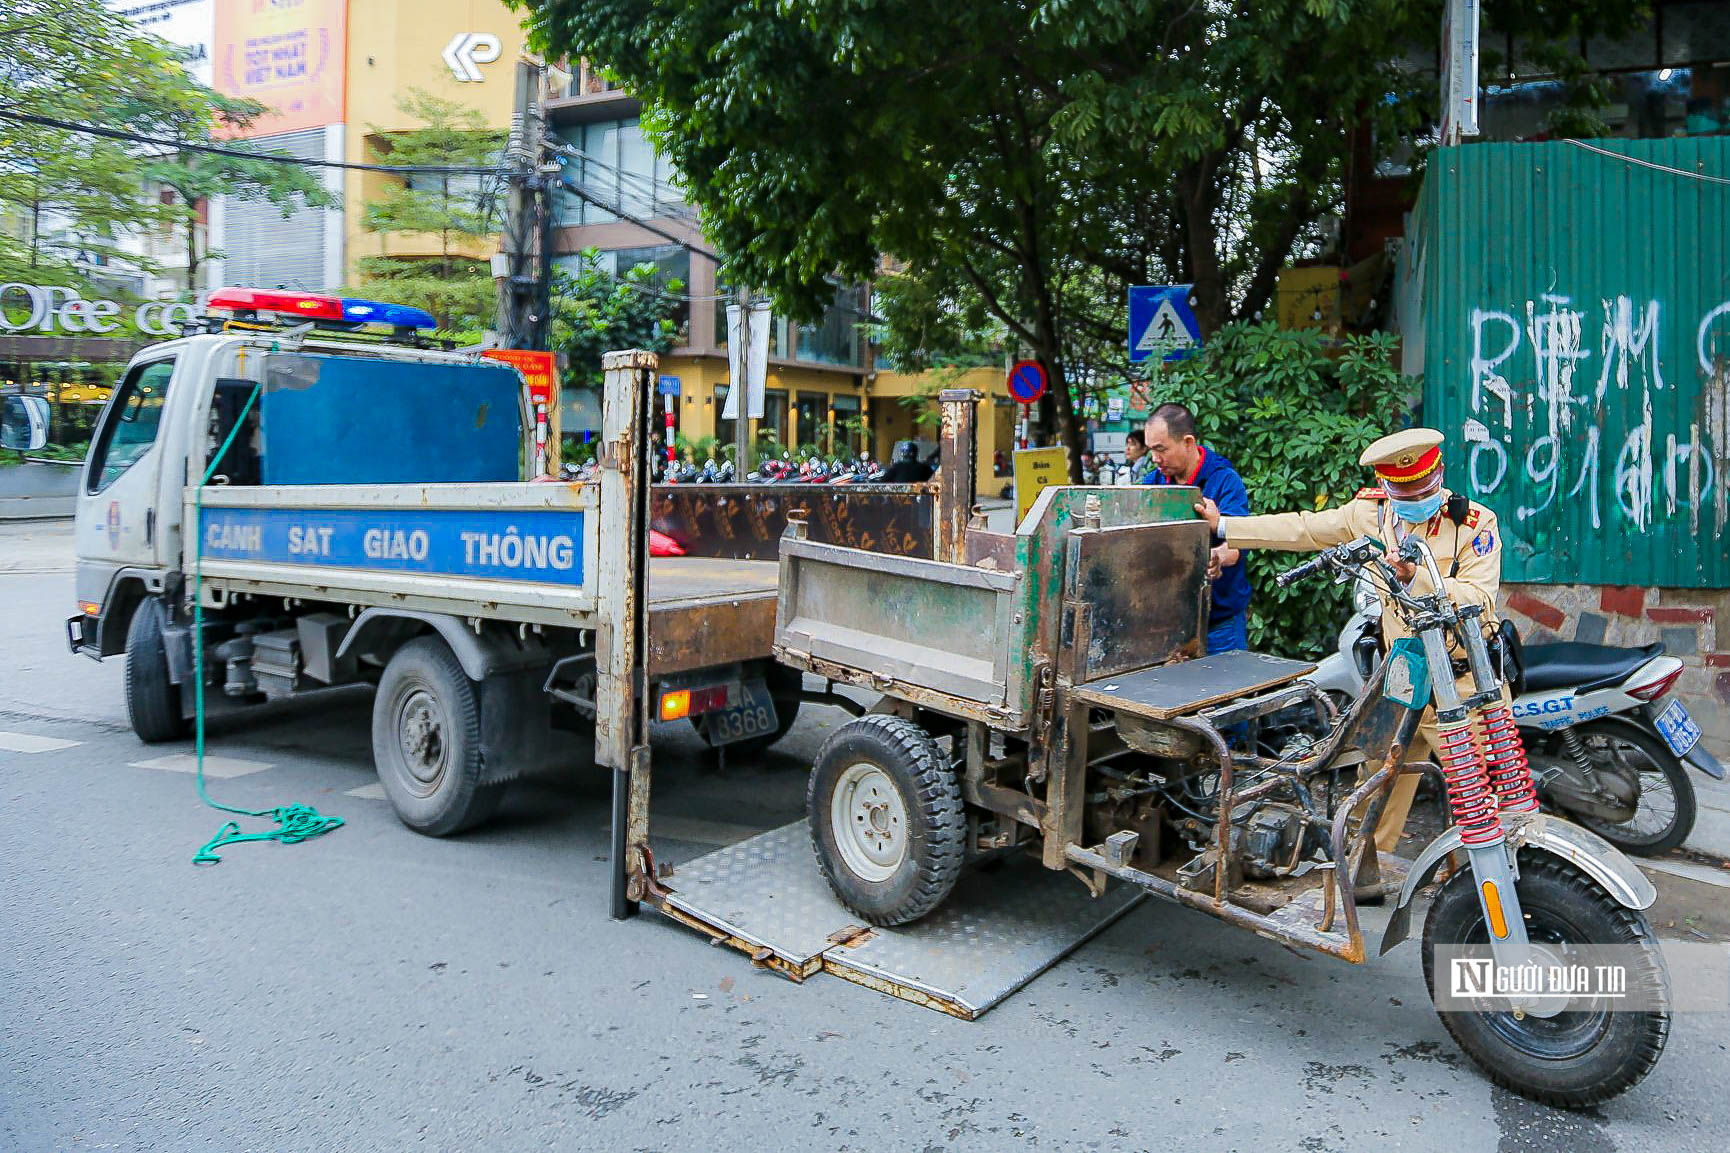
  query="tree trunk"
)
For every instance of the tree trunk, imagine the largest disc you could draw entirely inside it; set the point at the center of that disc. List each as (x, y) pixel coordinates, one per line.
(1196, 185)
(191, 249)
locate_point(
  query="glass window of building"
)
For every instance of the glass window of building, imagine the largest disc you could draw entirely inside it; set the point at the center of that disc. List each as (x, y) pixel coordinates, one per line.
(774, 422)
(619, 167)
(811, 413)
(724, 428)
(849, 424)
(836, 339)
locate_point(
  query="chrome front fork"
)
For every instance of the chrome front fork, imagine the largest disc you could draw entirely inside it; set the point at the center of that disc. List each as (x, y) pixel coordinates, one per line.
(1473, 799)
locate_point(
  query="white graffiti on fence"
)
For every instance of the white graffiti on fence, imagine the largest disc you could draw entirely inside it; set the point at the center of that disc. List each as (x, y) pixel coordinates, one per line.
(1687, 467)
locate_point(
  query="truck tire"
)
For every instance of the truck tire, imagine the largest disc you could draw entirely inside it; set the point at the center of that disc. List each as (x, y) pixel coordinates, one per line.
(426, 741)
(152, 700)
(886, 819)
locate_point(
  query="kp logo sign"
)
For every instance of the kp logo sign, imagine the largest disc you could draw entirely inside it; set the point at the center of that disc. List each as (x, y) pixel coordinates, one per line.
(469, 49)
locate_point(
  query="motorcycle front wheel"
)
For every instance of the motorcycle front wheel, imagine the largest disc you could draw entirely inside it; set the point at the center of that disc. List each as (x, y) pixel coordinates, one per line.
(1590, 1051)
(1664, 796)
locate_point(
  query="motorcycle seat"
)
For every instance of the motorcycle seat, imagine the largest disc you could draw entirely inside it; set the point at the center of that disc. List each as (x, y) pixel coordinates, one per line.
(1584, 667)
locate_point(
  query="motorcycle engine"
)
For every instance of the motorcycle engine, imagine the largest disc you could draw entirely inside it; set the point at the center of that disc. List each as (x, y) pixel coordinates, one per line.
(1271, 837)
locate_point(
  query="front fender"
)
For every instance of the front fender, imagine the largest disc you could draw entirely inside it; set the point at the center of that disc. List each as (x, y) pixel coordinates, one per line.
(1581, 848)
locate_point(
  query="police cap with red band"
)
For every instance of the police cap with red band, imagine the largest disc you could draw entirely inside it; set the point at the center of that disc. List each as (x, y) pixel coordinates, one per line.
(1408, 462)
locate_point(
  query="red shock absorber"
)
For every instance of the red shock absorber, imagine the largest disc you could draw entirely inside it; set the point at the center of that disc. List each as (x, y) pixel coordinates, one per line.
(1470, 798)
(1505, 762)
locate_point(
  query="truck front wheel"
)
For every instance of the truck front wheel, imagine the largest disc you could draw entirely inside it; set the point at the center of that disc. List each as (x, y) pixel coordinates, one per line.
(152, 700)
(886, 819)
(426, 741)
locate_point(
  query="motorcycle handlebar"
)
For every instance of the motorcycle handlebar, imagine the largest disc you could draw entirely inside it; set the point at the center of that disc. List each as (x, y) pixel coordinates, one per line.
(1293, 575)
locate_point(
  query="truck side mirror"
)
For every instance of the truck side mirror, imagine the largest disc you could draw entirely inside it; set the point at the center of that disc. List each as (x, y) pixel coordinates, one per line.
(23, 423)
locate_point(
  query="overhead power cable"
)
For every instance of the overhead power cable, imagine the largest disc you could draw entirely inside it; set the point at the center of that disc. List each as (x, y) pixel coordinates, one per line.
(273, 157)
(1704, 177)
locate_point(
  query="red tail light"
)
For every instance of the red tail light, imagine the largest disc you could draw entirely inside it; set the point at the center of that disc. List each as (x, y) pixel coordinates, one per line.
(1652, 690)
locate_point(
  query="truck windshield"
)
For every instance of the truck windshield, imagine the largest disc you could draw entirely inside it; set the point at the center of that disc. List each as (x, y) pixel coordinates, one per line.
(331, 419)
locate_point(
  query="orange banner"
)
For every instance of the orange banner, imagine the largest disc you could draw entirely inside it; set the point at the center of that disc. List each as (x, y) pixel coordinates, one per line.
(536, 367)
(288, 55)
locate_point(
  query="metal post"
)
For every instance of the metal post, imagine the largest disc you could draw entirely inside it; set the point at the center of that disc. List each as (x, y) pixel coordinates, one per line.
(957, 470)
(742, 425)
(621, 682)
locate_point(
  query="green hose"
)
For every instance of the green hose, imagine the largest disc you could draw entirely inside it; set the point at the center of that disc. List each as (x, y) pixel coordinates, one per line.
(295, 823)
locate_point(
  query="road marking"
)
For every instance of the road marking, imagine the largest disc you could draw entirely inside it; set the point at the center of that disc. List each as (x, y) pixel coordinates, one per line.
(697, 832)
(221, 768)
(372, 792)
(1690, 871)
(29, 743)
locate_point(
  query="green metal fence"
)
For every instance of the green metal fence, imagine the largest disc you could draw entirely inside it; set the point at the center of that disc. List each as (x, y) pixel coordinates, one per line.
(1576, 349)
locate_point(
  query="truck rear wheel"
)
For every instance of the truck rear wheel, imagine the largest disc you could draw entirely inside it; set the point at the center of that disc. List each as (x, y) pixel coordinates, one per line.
(152, 700)
(426, 741)
(886, 819)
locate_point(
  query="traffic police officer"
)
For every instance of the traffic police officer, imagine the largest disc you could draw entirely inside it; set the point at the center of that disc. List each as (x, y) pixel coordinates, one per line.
(1410, 499)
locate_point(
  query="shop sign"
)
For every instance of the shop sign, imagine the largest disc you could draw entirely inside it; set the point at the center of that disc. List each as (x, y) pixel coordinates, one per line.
(52, 308)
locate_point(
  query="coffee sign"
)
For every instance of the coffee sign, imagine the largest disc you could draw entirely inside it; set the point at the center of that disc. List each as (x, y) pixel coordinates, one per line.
(51, 308)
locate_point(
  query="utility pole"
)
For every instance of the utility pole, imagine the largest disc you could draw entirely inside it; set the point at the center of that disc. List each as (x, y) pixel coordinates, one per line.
(521, 270)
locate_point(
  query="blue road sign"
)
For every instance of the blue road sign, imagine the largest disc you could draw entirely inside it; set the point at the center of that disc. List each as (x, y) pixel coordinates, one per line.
(669, 386)
(1027, 381)
(1161, 322)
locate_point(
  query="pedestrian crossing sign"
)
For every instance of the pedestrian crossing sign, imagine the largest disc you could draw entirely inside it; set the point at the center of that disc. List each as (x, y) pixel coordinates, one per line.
(1162, 325)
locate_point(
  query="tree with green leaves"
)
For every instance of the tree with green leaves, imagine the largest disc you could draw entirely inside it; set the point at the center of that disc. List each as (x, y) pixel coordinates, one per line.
(197, 176)
(461, 209)
(1027, 159)
(1243, 388)
(596, 311)
(75, 194)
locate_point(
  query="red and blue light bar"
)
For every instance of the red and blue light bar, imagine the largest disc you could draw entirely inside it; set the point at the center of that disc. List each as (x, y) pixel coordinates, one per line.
(314, 306)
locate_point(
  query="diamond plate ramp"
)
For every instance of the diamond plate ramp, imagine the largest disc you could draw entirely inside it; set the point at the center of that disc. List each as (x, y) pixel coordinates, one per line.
(993, 935)
(998, 930)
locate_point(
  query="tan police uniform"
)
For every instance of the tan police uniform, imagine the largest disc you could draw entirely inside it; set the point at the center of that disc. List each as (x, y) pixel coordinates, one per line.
(1468, 555)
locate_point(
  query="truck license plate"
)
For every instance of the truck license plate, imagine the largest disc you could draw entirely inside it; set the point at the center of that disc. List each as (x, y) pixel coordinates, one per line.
(1678, 729)
(753, 716)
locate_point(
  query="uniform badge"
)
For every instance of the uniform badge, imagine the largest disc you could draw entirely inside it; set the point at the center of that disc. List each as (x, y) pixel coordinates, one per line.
(1370, 494)
(1484, 542)
(1473, 516)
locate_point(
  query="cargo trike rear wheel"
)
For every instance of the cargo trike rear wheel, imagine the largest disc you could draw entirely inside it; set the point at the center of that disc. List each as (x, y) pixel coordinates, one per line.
(1591, 1050)
(886, 819)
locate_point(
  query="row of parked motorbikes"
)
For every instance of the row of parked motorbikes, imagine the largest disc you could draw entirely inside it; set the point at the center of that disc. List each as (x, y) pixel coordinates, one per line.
(784, 469)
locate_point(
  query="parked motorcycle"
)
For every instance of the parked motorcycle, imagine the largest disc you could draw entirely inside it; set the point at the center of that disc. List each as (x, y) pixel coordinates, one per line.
(1605, 748)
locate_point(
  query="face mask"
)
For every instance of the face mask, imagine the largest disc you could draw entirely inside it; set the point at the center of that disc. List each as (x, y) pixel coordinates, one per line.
(1418, 511)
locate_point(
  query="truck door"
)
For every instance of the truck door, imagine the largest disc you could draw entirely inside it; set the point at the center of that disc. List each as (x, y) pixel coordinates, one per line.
(119, 523)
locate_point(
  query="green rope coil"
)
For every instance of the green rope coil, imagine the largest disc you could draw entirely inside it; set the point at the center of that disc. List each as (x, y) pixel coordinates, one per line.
(295, 823)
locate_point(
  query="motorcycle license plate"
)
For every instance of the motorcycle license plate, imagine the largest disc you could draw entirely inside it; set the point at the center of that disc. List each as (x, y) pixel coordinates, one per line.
(1678, 728)
(752, 716)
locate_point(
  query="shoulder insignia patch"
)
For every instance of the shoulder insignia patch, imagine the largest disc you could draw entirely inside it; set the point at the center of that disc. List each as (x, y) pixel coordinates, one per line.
(1370, 494)
(1474, 516)
(1484, 542)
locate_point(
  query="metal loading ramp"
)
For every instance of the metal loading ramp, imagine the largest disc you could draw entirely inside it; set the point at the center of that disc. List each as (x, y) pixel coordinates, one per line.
(997, 931)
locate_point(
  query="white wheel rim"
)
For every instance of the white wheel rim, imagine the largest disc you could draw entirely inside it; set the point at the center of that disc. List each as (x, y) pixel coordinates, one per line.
(869, 820)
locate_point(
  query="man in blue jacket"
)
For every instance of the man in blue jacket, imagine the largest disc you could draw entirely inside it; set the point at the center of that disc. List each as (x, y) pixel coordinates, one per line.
(1179, 459)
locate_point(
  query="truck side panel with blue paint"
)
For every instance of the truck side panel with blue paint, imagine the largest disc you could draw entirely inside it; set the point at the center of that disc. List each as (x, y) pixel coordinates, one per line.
(542, 545)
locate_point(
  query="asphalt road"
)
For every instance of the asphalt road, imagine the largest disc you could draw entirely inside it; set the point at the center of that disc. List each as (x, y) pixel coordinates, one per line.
(375, 989)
